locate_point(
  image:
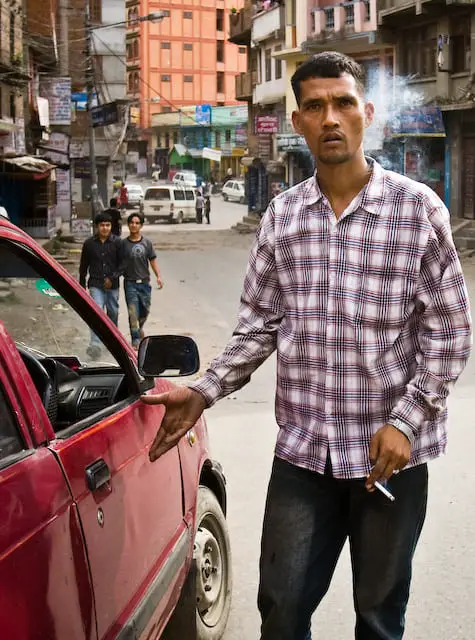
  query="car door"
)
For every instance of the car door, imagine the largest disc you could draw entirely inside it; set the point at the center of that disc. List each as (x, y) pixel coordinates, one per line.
(131, 510)
(45, 585)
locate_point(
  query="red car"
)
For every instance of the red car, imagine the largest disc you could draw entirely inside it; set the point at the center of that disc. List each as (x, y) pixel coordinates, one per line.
(96, 541)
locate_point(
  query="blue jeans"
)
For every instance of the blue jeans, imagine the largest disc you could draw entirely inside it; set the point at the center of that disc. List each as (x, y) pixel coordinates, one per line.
(307, 520)
(108, 300)
(138, 297)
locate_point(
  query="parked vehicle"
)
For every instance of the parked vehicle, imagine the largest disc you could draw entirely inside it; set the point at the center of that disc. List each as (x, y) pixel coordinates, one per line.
(135, 196)
(95, 540)
(187, 178)
(169, 203)
(234, 190)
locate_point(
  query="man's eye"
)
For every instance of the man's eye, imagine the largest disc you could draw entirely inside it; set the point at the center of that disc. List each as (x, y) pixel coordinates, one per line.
(345, 102)
(314, 107)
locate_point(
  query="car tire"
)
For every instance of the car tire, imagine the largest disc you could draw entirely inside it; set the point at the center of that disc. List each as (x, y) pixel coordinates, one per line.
(203, 608)
(225, 197)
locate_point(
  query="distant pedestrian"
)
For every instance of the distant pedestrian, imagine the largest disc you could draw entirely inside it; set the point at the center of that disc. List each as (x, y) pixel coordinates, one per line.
(123, 197)
(207, 208)
(137, 255)
(116, 218)
(199, 207)
(100, 258)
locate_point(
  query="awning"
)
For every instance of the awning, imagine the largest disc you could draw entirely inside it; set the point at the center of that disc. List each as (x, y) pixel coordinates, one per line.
(7, 127)
(26, 164)
(180, 149)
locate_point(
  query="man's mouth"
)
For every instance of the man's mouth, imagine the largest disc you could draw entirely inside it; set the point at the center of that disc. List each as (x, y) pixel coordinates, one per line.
(332, 137)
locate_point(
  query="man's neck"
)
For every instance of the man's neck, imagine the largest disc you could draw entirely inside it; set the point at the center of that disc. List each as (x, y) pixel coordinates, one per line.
(135, 238)
(103, 239)
(342, 182)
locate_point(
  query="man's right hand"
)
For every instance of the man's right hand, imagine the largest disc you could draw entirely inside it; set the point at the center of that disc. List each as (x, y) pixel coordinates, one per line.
(183, 407)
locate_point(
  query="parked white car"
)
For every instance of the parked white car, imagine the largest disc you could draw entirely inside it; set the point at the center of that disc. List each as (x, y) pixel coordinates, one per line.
(135, 196)
(185, 179)
(169, 203)
(234, 190)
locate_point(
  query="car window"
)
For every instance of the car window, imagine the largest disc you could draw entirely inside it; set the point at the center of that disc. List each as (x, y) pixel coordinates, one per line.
(179, 195)
(10, 439)
(54, 341)
(189, 194)
(157, 194)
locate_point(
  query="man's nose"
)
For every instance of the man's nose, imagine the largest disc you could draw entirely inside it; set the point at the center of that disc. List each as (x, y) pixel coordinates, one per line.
(330, 116)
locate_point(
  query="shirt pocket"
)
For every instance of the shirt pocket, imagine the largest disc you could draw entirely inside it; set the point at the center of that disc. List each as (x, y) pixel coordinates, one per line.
(385, 299)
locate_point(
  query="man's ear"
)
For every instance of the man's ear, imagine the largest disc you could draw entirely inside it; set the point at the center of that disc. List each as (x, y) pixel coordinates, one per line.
(296, 121)
(369, 113)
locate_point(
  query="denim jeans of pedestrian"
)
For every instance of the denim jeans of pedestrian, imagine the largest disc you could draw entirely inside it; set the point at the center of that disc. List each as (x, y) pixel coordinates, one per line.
(138, 296)
(307, 520)
(108, 300)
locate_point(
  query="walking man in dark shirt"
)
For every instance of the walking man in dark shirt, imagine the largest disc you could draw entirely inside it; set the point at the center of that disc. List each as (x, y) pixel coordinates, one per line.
(137, 254)
(116, 219)
(100, 257)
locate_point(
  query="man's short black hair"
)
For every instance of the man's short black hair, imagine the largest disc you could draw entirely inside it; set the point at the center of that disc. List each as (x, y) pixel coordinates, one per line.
(328, 64)
(102, 217)
(113, 203)
(135, 215)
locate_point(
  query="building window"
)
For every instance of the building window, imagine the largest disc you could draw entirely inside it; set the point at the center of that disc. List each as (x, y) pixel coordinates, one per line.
(130, 82)
(167, 141)
(220, 82)
(278, 63)
(187, 78)
(166, 45)
(166, 13)
(188, 15)
(136, 82)
(227, 135)
(217, 141)
(187, 46)
(166, 78)
(329, 18)
(242, 50)
(95, 11)
(460, 44)
(219, 19)
(268, 64)
(420, 51)
(136, 48)
(132, 16)
(166, 110)
(175, 137)
(367, 13)
(12, 35)
(349, 15)
(130, 51)
(12, 106)
(220, 51)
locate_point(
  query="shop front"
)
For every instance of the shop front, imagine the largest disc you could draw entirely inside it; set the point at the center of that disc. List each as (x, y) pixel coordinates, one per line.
(300, 164)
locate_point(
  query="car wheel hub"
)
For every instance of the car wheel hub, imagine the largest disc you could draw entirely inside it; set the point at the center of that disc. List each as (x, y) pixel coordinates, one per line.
(209, 570)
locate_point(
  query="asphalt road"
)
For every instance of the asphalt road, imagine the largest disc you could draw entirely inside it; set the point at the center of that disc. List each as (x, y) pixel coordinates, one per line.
(202, 292)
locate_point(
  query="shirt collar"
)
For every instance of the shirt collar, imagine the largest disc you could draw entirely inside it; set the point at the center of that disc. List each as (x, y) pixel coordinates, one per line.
(371, 198)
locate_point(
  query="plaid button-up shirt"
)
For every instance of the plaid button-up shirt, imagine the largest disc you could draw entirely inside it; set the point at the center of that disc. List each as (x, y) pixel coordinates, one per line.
(369, 315)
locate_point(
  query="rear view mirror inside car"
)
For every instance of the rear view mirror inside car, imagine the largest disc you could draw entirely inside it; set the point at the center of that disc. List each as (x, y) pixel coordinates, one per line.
(168, 356)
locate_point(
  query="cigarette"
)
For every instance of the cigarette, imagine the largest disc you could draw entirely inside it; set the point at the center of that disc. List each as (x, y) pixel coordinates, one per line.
(384, 491)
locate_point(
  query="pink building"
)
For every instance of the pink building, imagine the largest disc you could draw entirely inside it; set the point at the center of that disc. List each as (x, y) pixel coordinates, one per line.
(183, 60)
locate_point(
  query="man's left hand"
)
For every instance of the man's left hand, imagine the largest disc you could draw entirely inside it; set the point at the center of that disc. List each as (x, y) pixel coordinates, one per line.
(107, 283)
(389, 451)
(159, 283)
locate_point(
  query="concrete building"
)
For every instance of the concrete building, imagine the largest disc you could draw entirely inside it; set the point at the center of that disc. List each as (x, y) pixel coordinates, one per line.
(435, 53)
(184, 60)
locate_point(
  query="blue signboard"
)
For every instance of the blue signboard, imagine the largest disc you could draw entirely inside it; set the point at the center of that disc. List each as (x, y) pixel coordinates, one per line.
(203, 114)
(420, 122)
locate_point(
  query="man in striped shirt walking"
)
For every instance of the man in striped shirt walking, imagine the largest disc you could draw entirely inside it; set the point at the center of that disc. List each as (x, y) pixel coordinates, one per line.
(355, 281)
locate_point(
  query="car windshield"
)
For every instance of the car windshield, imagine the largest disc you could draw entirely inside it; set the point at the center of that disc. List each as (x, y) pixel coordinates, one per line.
(157, 194)
(134, 189)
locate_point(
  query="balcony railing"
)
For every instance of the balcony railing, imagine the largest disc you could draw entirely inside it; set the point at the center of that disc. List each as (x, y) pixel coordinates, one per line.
(245, 83)
(270, 22)
(240, 25)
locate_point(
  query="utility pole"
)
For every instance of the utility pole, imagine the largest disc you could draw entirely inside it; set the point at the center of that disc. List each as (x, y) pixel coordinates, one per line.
(90, 94)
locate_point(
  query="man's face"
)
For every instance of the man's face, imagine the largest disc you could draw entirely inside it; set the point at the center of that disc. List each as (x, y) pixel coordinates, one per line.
(135, 225)
(104, 229)
(332, 117)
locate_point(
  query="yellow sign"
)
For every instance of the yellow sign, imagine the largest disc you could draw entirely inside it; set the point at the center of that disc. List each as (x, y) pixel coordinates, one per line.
(238, 152)
(134, 115)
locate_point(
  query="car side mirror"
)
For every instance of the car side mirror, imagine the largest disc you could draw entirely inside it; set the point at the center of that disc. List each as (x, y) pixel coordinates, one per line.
(168, 356)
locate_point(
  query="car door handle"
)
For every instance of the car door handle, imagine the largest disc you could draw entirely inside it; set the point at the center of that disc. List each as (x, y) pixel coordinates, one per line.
(97, 475)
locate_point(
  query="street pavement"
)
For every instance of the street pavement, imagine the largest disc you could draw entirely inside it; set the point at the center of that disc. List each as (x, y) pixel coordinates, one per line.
(201, 294)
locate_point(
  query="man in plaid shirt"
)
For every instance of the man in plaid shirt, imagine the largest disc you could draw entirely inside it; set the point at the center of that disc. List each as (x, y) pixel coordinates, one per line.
(355, 280)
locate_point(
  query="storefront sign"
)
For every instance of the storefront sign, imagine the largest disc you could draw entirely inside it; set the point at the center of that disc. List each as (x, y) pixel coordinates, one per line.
(267, 124)
(241, 136)
(421, 122)
(105, 114)
(264, 144)
(82, 168)
(203, 114)
(211, 154)
(58, 93)
(291, 142)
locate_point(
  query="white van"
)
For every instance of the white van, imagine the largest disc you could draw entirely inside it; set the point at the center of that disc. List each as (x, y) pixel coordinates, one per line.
(170, 203)
(185, 179)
